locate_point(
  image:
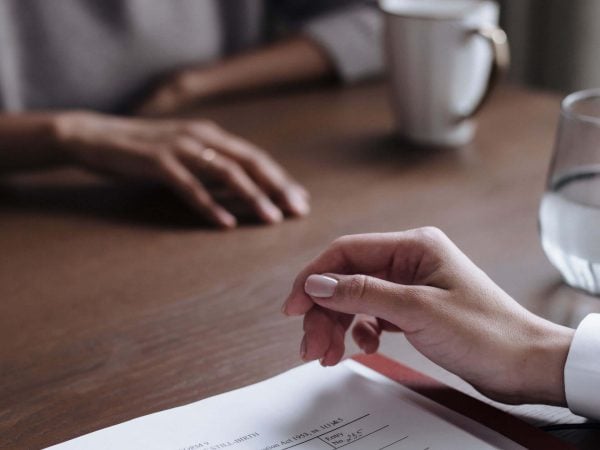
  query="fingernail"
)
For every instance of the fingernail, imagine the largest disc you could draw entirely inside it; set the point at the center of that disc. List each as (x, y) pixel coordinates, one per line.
(303, 348)
(272, 212)
(320, 286)
(299, 204)
(227, 220)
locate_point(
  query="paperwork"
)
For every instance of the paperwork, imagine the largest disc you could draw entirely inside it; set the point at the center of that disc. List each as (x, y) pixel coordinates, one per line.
(348, 406)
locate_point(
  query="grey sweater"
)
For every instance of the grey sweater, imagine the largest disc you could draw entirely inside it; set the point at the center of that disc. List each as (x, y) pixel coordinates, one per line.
(102, 54)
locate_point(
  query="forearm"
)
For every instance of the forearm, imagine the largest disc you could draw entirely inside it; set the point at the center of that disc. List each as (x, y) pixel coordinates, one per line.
(292, 61)
(29, 141)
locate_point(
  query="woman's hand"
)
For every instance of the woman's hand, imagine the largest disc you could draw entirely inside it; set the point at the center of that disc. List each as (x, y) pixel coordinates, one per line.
(179, 92)
(185, 155)
(295, 60)
(420, 283)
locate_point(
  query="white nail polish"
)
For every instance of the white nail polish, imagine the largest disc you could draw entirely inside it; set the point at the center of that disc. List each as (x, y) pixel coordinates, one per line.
(320, 286)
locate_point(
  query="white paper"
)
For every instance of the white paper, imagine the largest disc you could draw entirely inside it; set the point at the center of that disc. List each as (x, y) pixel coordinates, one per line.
(310, 407)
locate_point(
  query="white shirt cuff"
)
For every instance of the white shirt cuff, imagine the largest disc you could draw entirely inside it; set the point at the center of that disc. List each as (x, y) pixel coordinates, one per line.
(582, 369)
(352, 39)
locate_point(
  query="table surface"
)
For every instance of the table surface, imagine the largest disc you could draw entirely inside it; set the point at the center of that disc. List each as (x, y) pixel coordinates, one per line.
(116, 302)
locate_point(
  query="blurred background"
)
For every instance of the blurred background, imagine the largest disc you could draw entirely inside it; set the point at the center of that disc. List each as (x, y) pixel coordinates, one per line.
(555, 43)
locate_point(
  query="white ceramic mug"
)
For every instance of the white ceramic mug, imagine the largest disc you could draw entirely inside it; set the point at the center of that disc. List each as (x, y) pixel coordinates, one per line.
(443, 58)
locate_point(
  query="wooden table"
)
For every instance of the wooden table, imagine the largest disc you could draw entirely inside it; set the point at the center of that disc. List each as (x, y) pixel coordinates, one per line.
(115, 303)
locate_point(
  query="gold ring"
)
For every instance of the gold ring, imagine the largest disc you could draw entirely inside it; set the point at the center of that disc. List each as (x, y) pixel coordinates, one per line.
(208, 155)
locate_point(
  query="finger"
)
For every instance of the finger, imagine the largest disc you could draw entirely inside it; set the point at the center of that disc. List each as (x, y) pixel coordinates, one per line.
(337, 346)
(189, 188)
(261, 167)
(324, 335)
(336, 349)
(367, 330)
(413, 257)
(365, 333)
(407, 307)
(318, 329)
(291, 196)
(235, 178)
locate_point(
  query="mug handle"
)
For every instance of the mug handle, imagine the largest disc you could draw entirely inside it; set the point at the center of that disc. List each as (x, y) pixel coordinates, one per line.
(501, 62)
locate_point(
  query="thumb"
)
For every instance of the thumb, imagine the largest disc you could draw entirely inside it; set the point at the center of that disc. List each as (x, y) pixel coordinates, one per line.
(362, 294)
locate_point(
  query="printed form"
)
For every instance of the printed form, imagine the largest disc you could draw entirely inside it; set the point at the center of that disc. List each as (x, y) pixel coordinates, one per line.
(308, 408)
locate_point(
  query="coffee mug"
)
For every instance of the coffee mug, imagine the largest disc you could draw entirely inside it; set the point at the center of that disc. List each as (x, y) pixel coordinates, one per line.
(443, 58)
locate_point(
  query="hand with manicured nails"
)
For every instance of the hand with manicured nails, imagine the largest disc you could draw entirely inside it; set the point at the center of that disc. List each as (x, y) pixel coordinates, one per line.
(418, 282)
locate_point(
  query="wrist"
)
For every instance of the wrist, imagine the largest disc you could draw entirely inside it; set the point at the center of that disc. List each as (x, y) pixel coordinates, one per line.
(198, 84)
(543, 364)
(66, 131)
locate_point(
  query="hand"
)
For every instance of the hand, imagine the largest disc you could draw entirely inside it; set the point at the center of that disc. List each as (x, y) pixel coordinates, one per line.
(420, 283)
(294, 60)
(184, 155)
(178, 92)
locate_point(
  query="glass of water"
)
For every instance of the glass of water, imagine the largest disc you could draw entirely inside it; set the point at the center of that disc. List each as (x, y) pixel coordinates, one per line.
(570, 207)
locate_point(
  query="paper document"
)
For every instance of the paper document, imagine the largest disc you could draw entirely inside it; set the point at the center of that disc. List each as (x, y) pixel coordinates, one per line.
(348, 406)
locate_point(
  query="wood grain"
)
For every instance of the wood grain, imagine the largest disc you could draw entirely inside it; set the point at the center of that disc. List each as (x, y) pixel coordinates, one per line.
(116, 302)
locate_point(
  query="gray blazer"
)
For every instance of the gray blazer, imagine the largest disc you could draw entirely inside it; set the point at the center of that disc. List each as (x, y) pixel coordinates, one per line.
(101, 54)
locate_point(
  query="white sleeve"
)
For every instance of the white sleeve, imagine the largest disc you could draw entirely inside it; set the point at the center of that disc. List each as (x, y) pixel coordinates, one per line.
(352, 38)
(582, 369)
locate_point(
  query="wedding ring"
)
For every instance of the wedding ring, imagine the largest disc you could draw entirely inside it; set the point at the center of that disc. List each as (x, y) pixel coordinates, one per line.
(207, 156)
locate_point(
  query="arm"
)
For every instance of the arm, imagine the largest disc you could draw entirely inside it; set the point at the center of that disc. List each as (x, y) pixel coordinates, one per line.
(291, 61)
(192, 157)
(341, 39)
(29, 141)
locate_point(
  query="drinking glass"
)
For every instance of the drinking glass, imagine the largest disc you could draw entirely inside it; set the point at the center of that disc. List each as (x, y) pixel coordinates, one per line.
(570, 207)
